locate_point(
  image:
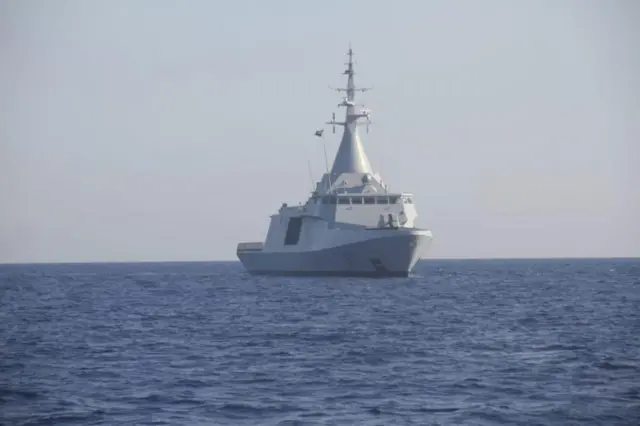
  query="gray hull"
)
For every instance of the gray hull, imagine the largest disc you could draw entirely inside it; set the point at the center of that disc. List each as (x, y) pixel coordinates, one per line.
(394, 255)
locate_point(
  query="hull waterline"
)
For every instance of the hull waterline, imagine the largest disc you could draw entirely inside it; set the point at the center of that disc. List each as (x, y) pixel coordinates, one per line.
(387, 256)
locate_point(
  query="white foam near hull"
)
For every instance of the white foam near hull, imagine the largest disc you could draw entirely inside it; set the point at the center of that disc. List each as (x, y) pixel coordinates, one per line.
(388, 253)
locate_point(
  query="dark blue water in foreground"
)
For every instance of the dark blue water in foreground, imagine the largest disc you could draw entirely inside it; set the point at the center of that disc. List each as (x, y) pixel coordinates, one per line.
(461, 343)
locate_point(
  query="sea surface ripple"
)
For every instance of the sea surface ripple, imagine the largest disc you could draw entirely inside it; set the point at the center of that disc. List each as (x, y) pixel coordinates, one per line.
(527, 342)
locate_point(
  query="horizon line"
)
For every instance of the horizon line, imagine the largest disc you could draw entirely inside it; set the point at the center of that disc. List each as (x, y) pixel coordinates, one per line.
(428, 259)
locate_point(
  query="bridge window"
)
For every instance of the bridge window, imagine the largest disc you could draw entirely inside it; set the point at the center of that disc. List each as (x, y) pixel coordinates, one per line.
(343, 200)
(356, 200)
(394, 199)
(329, 199)
(369, 200)
(382, 200)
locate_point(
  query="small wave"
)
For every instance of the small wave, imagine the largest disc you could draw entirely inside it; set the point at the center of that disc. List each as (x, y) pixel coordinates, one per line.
(14, 393)
(438, 410)
(469, 384)
(527, 321)
(607, 365)
(558, 347)
(191, 383)
(375, 410)
(239, 406)
(65, 418)
(253, 381)
(152, 397)
(293, 422)
(633, 393)
(186, 401)
(243, 409)
(147, 283)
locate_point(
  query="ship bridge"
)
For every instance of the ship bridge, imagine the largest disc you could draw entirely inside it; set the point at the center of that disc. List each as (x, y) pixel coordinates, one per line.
(350, 199)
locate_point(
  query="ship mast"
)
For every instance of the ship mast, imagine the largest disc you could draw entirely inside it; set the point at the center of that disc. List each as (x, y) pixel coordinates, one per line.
(350, 157)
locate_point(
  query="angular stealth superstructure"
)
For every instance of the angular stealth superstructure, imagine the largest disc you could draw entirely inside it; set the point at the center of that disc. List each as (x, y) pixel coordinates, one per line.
(351, 225)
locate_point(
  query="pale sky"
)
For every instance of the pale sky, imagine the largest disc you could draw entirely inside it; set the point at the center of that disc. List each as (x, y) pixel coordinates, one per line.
(171, 130)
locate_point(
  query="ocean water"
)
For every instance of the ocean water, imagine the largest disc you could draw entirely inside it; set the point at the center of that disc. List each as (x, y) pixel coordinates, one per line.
(545, 342)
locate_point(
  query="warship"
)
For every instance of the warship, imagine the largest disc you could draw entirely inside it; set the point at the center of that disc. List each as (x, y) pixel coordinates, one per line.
(351, 224)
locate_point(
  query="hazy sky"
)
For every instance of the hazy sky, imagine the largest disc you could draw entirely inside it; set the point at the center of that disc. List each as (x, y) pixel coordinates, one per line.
(171, 130)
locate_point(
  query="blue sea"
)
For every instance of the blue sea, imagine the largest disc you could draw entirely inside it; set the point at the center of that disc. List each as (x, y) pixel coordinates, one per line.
(517, 342)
